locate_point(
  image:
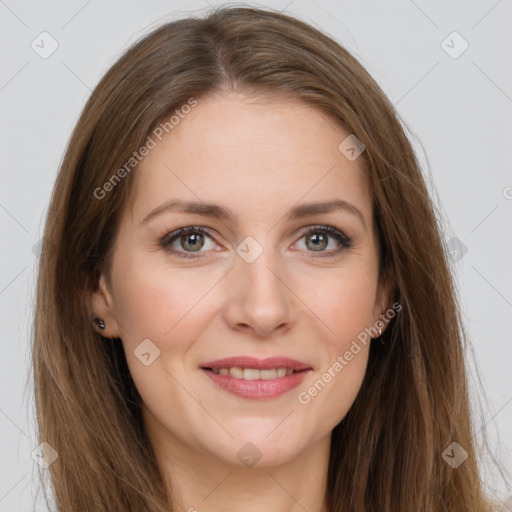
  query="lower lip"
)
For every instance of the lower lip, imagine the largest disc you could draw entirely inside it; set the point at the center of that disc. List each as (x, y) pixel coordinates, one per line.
(257, 389)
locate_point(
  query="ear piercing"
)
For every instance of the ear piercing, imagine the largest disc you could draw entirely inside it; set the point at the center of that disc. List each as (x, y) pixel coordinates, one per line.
(100, 323)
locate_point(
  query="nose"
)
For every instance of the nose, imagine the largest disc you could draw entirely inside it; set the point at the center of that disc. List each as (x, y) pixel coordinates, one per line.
(261, 300)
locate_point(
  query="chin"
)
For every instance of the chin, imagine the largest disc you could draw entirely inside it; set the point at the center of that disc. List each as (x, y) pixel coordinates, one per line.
(257, 449)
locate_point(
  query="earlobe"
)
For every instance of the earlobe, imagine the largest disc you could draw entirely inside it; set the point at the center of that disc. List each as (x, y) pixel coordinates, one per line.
(101, 310)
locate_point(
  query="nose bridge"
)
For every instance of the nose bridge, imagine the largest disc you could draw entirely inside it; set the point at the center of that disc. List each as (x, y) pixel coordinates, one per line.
(259, 265)
(259, 268)
(261, 299)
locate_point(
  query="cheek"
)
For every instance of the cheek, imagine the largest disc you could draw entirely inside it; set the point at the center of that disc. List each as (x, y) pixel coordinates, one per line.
(171, 307)
(164, 305)
(157, 300)
(344, 309)
(344, 303)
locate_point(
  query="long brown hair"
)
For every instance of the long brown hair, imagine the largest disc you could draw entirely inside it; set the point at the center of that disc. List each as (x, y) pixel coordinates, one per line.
(386, 454)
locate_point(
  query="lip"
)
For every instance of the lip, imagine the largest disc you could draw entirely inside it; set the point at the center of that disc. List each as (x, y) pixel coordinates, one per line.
(258, 364)
(257, 389)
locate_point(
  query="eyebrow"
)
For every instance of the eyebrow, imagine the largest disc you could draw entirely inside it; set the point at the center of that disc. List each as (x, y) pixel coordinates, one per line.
(219, 212)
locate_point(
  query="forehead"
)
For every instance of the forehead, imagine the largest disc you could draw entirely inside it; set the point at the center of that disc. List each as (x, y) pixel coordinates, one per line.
(255, 154)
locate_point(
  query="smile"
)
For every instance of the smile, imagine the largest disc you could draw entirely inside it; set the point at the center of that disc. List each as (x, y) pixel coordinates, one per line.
(256, 379)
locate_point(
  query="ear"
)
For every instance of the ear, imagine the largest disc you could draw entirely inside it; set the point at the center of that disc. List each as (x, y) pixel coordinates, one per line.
(383, 301)
(100, 304)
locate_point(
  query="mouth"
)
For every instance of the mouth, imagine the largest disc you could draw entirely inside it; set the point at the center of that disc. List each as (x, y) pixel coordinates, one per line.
(252, 378)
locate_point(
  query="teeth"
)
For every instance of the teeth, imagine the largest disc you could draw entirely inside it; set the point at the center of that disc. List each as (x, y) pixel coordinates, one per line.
(250, 374)
(253, 373)
(236, 372)
(269, 374)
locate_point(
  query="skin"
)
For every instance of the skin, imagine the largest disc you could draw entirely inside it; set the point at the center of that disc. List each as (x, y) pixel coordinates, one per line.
(259, 158)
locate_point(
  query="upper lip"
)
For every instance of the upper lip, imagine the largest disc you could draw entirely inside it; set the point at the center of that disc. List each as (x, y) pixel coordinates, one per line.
(259, 364)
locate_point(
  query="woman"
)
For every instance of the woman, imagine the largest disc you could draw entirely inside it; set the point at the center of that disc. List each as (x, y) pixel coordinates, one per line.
(243, 297)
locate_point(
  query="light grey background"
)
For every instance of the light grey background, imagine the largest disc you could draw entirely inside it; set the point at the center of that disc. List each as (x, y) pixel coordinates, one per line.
(458, 110)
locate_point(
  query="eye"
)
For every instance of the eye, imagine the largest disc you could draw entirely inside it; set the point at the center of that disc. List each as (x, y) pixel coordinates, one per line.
(191, 239)
(317, 240)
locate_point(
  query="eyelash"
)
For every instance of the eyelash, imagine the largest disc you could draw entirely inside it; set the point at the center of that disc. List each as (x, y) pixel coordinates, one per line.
(168, 239)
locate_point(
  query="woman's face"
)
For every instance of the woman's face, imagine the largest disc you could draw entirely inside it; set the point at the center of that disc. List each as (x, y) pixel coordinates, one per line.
(254, 284)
